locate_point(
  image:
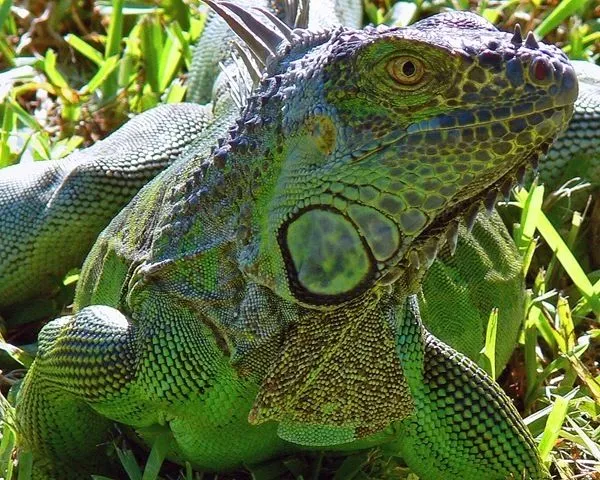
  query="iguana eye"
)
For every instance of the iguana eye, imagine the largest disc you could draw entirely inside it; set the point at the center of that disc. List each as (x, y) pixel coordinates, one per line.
(406, 70)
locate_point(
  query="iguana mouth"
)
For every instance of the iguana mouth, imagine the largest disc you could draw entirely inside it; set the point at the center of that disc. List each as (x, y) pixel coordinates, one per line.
(452, 120)
(445, 123)
(444, 229)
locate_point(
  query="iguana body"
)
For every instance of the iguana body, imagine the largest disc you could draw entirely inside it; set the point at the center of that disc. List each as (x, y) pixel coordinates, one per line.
(36, 255)
(258, 296)
(68, 202)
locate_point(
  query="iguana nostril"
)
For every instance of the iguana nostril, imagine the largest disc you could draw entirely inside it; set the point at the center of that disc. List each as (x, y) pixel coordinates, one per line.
(493, 45)
(541, 70)
(490, 58)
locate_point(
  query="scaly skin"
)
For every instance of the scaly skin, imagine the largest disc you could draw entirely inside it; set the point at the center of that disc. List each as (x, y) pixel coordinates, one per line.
(486, 270)
(88, 188)
(259, 298)
(57, 235)
(68, 202)
(576, 153)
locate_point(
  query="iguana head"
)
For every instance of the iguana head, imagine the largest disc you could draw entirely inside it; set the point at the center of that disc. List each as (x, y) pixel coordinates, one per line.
(367, 147)
(382, 138)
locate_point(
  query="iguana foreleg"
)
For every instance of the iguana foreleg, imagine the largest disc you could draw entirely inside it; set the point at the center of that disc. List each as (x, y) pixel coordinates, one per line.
(464, 427)
(83, 360)
(147, 372)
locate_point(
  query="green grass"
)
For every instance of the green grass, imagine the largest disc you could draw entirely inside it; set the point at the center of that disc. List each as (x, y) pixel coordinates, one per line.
(556, 376)
(126, 57)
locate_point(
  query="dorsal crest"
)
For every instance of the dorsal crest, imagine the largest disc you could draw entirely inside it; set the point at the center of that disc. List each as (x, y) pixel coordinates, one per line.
(262, 41)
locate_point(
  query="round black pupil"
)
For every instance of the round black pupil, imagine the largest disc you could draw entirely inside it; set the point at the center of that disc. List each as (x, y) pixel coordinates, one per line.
(408, 68)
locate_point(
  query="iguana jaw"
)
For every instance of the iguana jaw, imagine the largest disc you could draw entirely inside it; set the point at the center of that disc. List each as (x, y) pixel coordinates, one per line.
(423, 249)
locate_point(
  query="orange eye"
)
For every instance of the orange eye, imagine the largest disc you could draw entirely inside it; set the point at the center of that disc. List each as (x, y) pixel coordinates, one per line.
(406, 70)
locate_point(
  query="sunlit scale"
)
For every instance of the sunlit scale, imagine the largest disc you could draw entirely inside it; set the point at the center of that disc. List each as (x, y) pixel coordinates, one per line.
(332, 256)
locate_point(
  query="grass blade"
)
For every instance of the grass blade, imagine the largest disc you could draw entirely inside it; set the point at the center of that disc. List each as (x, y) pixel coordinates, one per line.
(8, 124)
(51, 71)
(113, 44)
(101, 75)
(169, 60)
(532, 209)
(553, 425)
(85, 49)
(129, 464)
(157, 456)
(566, 339)
(4, 11)
(487, 358)
(151, 49)
(25, 466)
(564, 9)
(6, 448)
(563, 253)
(17, 354)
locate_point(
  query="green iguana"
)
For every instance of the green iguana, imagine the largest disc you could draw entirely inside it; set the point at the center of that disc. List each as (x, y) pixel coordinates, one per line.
(59, 232)
(258, 296)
